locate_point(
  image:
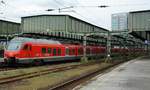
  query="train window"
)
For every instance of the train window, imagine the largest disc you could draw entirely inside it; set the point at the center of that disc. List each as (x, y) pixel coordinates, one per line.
(59, 51)
(70, 51)
(54, 52)
(49, 50)
(88, 50)
(30, 48)
(25, 47)
(79, 51)
(67, 51)
(73, 51)
(43, 50)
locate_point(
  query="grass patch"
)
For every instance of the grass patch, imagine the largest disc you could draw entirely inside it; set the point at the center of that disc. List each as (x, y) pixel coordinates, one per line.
(10, 73)
(54, 78)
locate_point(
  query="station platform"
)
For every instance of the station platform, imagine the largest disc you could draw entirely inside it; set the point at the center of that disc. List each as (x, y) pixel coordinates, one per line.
(132, 75)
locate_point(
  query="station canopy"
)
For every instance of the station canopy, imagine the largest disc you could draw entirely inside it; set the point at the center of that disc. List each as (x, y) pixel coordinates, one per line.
(136, 23)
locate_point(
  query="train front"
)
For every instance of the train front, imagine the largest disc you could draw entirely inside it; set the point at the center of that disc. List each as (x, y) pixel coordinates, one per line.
(11, 52)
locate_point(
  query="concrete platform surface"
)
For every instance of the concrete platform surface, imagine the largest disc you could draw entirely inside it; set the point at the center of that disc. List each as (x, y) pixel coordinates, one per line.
(133, 75)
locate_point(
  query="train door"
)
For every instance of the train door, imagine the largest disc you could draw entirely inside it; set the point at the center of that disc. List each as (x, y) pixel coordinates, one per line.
(55, 51)
(27, 50)
(76, 51)
(59, 52)
(67, 51)
(30, 51)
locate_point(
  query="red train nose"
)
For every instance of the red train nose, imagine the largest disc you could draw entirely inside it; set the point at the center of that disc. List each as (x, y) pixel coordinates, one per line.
(10, 54)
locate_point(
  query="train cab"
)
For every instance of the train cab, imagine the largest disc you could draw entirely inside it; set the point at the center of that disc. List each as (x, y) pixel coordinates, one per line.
(12, 51)
(15, 49)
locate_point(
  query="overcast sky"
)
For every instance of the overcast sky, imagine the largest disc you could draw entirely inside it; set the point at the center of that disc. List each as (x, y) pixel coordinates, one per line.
(13, 10)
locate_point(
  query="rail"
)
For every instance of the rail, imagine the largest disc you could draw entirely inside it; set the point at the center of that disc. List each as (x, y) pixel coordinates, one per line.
(39, 73)
(72, 82)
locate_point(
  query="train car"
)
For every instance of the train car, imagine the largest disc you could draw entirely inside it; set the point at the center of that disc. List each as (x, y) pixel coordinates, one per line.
(28, 50)
(38, 51)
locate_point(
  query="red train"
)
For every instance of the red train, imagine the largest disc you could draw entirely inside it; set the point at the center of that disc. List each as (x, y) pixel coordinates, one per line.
(38, 51)
(27, 50)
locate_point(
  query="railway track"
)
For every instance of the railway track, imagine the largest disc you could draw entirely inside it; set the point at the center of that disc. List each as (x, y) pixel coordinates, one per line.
(6, 69)
(74, 81)
(7, 80)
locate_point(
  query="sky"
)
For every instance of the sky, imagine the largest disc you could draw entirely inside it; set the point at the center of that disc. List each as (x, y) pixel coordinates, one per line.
(87, 10)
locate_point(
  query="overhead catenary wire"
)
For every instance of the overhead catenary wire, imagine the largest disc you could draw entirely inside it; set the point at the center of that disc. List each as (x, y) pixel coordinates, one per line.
(20, 10)
(92, 21)
(71, 2)
(85, 10)
(7, 5)
(3, 2)
(59, 3)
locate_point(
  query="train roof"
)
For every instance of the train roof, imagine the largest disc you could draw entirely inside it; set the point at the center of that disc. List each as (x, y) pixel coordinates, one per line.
(42, 41)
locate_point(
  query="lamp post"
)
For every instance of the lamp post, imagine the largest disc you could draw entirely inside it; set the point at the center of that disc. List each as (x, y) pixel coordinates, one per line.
(84, 49)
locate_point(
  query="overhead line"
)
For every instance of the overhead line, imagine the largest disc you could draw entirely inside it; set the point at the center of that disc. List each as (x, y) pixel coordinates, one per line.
(85, 18)
(59, 3)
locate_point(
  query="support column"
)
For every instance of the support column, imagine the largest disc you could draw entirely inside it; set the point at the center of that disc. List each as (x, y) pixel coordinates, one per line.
(84, 47)
(108, 52)
(147, 43)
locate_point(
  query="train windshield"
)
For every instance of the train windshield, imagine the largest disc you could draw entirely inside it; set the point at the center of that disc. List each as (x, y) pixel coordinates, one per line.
(14, 46)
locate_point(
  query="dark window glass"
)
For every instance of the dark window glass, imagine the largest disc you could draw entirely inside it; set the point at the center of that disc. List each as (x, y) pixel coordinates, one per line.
(88, 51)
(25, 47)
(67, 51)
(79, 51)
(59, 51)
(30, 48)
(70, 51)
(54, 52)
(73, 51)
(43, 50)
(14, 46)
(49, 50)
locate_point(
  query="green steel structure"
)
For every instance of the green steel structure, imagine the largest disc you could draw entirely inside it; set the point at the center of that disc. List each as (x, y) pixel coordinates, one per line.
(140, 24)
(57, 23)
(136, 22)
(139, 20)
(9, 28)
(63, 26)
